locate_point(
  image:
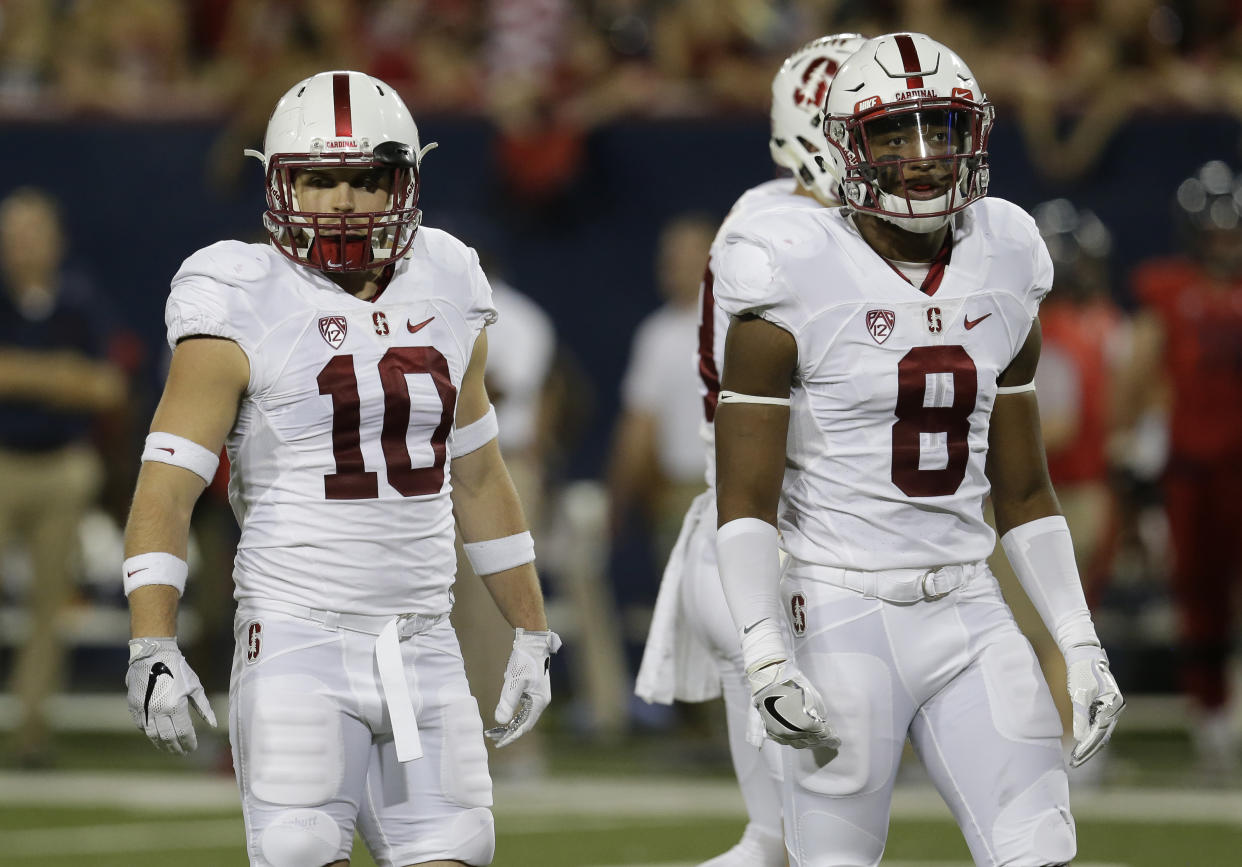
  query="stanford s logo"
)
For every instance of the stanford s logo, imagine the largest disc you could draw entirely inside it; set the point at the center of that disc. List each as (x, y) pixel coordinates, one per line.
(381, 323)
(332, 329)
(934, 323)
(253, 642)
(797, 612)
(880, 324)
(815, 80)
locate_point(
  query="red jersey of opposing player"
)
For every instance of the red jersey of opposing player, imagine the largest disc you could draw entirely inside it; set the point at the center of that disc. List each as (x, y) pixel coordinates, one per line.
(1202, 320)
(1082, 332)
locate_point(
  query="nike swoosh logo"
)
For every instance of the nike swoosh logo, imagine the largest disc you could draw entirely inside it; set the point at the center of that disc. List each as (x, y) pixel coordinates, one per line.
(746, 629)
(419, 326)
(770, 704)
(156, 670)
(167, 449)
(971, 323)
(135, 572)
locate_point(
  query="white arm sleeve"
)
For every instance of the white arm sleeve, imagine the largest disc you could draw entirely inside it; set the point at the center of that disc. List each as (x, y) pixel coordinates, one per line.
(1042, 554)
(749, 562)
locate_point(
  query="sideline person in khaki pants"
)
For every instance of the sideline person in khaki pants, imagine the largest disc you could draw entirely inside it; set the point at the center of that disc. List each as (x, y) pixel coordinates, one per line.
(53, 378)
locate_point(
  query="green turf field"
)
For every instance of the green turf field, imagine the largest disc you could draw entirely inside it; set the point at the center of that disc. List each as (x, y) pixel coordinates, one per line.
(114, 838)
(111, 802)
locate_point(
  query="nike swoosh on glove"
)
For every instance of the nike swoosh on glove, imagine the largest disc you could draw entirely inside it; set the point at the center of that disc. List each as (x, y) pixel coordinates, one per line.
(1096, 698)
(528, 686)
(791, 709)
(162, 686)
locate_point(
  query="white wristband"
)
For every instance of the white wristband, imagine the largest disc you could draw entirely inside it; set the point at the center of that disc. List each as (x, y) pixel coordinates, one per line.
(166, 448)
(154, 568)
(475, 435)
(1016, 389)
(1042, 554)
(496, 555)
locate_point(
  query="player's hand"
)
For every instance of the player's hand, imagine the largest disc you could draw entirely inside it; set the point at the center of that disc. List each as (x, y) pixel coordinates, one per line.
(791, 709)
(162, 686)
(528, 687)
(1096, 699)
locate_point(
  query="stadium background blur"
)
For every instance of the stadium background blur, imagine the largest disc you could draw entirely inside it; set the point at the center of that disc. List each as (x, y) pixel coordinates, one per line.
(571, 132)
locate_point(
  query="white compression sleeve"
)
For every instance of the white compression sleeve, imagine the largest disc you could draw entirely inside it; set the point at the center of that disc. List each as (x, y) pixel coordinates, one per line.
(749, 563)
(1042, 554)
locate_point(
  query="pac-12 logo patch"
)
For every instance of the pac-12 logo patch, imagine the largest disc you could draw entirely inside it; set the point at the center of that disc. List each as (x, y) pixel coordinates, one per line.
(797, 611)
(880, 324)
(332, 329)
(254, 641)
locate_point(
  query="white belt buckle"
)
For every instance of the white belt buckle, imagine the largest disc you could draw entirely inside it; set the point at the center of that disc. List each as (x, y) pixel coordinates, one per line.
(929, 592)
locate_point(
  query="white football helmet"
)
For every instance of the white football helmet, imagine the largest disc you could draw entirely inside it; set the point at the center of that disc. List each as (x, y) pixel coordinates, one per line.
(934, 119)
(333, 120)
(798, 93)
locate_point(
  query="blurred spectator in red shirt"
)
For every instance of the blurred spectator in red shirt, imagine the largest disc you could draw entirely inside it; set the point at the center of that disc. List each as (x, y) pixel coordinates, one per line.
(1191, 333)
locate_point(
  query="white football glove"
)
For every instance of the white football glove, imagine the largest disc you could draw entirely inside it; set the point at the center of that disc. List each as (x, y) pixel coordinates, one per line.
(161, 688)
(1096, 699)
(791, 709)
(528, 687)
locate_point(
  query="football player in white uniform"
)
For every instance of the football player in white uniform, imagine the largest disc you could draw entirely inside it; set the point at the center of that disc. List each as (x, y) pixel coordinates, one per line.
(692, 652)
(877, 384)
(342, 365)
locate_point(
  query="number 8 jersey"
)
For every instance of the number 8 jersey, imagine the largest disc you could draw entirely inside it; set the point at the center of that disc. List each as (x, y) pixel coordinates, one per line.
(894, 385)
(340, 453)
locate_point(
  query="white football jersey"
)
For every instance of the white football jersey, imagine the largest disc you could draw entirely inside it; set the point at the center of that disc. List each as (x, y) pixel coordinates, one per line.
(894, 387)
(340, 454)
(713, 321)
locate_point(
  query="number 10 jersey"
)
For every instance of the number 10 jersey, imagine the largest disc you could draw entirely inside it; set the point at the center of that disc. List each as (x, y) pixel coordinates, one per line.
(340, 453)
(894, 386)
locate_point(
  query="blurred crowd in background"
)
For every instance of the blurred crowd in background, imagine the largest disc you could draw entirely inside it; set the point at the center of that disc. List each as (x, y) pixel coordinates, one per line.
(547, 71)
(1140, 383)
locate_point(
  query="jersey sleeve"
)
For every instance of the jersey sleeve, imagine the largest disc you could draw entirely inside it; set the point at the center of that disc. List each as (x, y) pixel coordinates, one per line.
(208, 296)
(748, 282)
(482, 309)
(1041, 276)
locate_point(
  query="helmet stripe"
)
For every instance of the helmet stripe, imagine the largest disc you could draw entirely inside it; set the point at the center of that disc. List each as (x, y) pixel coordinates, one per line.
(910, 57)
(340, 99)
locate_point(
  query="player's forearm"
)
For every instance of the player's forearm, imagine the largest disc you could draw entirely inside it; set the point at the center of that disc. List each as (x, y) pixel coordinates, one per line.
(517, 594)
(159, 523)
(485, 501)
(153, 611)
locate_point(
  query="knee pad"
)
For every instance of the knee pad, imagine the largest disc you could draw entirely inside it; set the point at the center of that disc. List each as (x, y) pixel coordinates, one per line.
(823, 839)
(1018, 698)
(294, 751)
(469, 837)
(300, 838)
(1036, 826)
(477, 831)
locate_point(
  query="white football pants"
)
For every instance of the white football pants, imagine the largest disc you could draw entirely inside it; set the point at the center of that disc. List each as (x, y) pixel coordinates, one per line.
(956, 676)
(314, 753)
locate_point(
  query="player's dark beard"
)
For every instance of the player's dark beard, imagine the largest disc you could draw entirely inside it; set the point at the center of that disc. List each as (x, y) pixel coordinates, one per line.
(329, 252)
